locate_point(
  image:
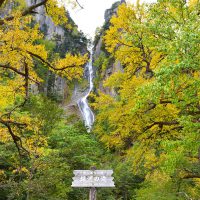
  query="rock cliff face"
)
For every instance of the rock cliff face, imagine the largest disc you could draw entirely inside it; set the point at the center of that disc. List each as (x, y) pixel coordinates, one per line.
(66, 41)
(45, 21)
(111, 11)
(102, 61)
(63, 40)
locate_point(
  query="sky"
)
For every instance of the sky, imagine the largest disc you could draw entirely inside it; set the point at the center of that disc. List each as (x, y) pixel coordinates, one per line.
(92, 16)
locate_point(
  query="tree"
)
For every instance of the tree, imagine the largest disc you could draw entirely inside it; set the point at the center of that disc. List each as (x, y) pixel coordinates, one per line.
(157, 121)
(47, 173)
(19, 52)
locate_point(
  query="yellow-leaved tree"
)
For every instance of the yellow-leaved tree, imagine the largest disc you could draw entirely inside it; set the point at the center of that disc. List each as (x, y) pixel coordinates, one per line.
(153, 120)
(19, 51)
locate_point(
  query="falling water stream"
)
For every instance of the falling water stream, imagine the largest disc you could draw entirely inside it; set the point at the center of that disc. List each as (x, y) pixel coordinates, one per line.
(86, 111)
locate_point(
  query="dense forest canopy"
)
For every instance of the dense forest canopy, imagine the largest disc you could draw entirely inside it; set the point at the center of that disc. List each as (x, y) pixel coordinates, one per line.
(20, 49)
(157, 96)
(146, 102)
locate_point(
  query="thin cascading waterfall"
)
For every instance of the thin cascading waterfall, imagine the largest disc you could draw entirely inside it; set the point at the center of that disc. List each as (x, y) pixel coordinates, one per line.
(86, 111)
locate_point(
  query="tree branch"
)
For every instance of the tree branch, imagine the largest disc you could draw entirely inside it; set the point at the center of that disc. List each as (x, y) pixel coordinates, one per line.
(161, 124)
(191, 176)
(18, 72)
(122, 43)
(1, 2)
(12, 122)
(79, 4)
(13, 69)
(29, 10)
(16, 139)
(26, 79)
(49, 64)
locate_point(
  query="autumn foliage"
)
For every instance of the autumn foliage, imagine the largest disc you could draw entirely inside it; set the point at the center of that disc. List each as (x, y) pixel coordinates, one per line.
(153, 118)
(20, 50)
(147, 122)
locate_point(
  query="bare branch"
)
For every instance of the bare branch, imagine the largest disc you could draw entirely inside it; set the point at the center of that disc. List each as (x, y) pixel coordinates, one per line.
(79, 4)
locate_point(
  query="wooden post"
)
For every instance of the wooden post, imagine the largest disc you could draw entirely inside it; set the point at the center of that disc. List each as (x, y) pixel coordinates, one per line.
(92, 193)
(93, 179)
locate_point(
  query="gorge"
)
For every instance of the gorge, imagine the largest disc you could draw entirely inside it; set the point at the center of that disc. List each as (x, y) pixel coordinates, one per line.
(133, 106)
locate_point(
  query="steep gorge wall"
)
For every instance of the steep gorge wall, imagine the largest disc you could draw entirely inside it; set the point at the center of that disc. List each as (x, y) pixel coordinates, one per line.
(61, 40)
(67, 40)
(104, 64)
(45, 21)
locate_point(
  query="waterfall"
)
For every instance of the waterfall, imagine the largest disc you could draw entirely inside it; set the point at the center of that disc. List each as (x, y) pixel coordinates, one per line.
(86, 111)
